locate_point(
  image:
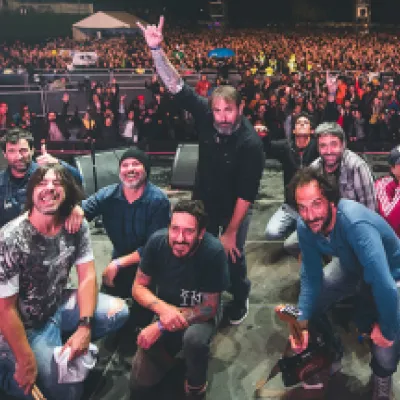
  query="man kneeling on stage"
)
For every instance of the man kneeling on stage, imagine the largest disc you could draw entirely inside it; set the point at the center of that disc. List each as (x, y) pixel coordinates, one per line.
(188, 268)
(366, 264)
(36, 309)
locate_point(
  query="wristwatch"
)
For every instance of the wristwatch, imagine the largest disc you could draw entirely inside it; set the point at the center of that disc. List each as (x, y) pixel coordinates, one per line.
(86, 321)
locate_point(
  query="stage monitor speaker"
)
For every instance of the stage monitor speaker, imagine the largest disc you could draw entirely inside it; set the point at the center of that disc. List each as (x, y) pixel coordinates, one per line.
(107, 169)
(184, 167)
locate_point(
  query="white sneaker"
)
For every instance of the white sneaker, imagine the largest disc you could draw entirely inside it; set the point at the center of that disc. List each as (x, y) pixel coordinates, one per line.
(238, 315)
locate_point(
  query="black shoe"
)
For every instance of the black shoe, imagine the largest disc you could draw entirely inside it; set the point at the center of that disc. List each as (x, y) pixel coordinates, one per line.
(236, 315)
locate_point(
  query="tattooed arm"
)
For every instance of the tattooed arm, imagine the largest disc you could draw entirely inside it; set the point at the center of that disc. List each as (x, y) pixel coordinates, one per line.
(169, 75)
(142, 294)
(204, 311)
(170, 316)
(167, 72)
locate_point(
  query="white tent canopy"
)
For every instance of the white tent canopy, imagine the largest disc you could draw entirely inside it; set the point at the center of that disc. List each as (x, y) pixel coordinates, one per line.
(105, 20)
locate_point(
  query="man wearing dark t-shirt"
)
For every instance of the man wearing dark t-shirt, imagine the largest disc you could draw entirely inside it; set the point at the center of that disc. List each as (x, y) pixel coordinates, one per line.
(230, 166)
(188, 267)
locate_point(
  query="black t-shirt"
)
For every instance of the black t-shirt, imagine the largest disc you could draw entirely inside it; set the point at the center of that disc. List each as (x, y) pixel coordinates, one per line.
(181, 281)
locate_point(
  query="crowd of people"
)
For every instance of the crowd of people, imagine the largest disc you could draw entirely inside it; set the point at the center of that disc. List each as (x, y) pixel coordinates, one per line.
(176, 263)
(281, 75)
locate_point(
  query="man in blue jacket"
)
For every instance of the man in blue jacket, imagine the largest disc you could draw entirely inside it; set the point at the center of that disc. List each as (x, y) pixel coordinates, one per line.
(131, 212)
(18, 150)
(367, 263)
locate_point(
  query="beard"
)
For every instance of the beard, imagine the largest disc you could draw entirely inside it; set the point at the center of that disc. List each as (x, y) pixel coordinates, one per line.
(135, 184)
(328, 220)
(20, 166)
(335, 163)
(325, 224)
(227, 128)
(44, 211)
(192, 248)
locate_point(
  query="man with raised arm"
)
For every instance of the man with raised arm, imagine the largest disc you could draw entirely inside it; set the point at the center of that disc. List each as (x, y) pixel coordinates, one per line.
(231, 161)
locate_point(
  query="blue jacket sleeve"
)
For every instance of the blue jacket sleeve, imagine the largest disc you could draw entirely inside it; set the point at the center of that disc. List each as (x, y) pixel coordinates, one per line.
(93, 205)
(310, 274)
(159, 219)
(368, 247)
(74, 171)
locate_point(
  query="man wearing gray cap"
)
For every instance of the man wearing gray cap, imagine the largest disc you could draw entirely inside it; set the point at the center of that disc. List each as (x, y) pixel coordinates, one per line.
(388, 192)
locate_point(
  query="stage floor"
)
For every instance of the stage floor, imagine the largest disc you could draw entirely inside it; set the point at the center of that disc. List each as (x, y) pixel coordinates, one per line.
(240, 355)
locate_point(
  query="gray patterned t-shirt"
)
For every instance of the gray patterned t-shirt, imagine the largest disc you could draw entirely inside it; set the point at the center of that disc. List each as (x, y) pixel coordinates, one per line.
(37, 266)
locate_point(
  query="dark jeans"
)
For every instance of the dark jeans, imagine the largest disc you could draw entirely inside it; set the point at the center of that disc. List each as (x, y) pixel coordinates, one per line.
(123, 282)
(337, 285)
(240, 284)
(150, 366)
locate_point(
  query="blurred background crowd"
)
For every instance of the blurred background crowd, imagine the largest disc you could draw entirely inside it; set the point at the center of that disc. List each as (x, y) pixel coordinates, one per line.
(279, 73)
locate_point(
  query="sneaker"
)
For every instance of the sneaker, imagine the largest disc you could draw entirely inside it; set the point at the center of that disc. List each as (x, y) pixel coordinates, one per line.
(237, 315)
(195, 394)
(314, 382)
(382, 388)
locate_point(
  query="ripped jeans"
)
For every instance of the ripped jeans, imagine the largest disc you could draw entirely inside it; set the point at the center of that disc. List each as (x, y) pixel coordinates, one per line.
(110, 314)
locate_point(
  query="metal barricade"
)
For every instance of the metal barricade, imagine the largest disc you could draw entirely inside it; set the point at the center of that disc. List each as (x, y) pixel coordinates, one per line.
(34, 99)
(77, 100)
(45, 99)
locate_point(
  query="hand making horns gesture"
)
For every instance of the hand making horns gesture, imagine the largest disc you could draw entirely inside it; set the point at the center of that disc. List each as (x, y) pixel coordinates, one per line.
(153, 33)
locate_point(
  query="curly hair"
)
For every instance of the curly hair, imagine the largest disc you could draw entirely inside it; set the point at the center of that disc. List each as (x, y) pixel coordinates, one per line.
(73, 193)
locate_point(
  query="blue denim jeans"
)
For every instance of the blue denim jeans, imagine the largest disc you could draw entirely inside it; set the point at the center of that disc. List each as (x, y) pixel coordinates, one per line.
(339, 284)
(240, 284)
(110, 314)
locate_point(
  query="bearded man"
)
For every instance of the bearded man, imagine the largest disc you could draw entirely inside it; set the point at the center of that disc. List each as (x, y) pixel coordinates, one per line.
(131, 212)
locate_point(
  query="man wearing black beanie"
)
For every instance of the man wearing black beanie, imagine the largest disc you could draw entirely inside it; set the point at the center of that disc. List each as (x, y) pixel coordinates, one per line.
(131, 211)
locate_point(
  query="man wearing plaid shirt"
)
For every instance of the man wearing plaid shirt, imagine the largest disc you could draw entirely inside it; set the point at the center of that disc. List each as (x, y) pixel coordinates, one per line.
(349, 171)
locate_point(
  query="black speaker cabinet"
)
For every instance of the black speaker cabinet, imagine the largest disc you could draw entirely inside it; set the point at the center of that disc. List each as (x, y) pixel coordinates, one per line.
(184, 167)
(107, 169)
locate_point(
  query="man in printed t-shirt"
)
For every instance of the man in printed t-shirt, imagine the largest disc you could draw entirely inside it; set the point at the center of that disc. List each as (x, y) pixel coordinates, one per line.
(36, 256)
(189, 268)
